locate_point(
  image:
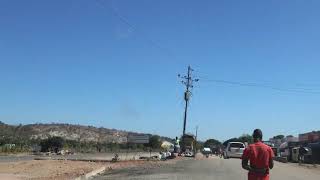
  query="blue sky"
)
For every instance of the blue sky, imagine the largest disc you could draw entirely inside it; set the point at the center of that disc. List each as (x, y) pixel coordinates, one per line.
(115, 64)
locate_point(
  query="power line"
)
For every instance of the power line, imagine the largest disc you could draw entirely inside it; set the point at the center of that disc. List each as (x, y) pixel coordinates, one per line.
(298, 86)
(260, 85)
(125, 21)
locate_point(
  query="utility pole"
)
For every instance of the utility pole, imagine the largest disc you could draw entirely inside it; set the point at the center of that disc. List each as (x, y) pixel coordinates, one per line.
(197, 132)
(196, 143)
(188, 82)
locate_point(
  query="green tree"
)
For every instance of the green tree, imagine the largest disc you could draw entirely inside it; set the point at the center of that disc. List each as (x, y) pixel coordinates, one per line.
(154, 142)
(211, 143)
(132, 146)
(200, 145)
(114, 147)
(246, 138)
(140, 146)
(99, 146)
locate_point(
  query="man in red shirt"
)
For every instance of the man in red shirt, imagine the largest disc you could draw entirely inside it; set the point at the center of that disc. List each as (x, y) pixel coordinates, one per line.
(260, 157)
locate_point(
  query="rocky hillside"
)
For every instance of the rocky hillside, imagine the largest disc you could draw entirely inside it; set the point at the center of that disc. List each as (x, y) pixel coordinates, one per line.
(66, 131)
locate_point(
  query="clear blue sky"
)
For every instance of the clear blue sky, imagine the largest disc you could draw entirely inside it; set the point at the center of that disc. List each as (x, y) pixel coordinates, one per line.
(80, 62)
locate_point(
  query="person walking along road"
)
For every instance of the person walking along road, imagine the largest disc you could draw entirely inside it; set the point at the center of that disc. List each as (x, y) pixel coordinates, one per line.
(260, 157)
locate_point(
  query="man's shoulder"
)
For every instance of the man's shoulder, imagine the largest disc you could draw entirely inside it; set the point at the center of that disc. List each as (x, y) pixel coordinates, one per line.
(266, 147)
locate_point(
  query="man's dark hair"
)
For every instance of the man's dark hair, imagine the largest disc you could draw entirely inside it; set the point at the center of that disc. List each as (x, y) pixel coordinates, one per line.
(257, 134)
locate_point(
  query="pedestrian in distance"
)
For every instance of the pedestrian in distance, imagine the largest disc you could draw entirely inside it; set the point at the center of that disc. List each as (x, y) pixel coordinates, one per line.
(257, 158)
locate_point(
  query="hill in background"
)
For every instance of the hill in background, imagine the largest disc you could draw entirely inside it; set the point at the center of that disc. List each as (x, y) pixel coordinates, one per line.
(20, 134)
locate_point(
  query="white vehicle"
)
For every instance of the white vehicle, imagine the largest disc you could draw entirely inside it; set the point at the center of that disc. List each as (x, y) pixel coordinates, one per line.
(188, 154)
(234, 150)
(206, 150)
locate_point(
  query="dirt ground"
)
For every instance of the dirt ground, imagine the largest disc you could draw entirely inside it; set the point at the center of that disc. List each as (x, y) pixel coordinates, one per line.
(65, 169)
(46, 169)
(146, 164)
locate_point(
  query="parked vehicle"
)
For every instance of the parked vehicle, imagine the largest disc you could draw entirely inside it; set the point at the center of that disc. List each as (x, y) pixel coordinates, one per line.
(234, 150)
(189, 153)
(206, 151)
(187, 143)
(314, 154)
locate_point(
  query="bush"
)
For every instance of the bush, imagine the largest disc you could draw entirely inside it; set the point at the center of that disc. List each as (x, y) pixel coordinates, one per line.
(52, 144)
(154, 142)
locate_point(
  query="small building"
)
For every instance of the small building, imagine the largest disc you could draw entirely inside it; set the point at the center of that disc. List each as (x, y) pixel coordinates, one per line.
(291, 139)
(309, 137)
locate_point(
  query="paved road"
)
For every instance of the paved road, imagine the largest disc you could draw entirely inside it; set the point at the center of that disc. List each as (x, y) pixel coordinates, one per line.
(16, 158)
(209, 169)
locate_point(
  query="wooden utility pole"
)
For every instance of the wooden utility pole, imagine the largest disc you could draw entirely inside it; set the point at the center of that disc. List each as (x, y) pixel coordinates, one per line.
(196, 141)
(188, 82)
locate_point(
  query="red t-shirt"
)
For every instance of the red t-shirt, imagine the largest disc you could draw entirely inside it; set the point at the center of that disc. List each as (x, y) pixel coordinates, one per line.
(259, 156)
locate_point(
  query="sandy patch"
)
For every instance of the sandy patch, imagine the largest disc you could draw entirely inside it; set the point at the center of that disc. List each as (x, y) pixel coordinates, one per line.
(46, 169)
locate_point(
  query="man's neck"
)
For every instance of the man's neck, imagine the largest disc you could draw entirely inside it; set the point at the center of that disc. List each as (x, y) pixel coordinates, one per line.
(256, 140)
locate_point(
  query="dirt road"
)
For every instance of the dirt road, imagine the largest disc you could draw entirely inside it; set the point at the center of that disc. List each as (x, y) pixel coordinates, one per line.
(208, 169)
